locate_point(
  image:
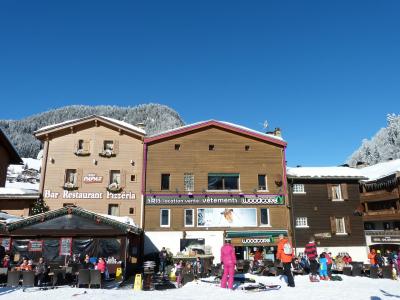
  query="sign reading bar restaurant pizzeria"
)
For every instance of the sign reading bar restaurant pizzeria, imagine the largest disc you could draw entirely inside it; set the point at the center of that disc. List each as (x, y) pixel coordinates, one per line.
(35, 246)
(385, 239)
(216, 200)
(92, 178)
(65, 246)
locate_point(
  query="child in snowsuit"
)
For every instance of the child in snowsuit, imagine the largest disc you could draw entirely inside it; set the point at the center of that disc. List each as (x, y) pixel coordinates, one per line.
(178, 273)
(323, 269)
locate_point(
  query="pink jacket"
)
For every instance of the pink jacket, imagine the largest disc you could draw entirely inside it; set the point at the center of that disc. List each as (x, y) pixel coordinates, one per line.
(101, 266)
(228, 256)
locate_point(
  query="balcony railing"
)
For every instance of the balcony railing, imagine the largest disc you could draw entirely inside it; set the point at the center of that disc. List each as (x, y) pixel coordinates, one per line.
(381, 212)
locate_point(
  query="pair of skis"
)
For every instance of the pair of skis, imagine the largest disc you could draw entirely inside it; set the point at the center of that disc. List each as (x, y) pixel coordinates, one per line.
(260, 287)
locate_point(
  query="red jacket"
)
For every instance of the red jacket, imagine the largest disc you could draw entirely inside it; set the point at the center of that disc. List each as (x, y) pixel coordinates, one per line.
(281, 255)
(101, 266)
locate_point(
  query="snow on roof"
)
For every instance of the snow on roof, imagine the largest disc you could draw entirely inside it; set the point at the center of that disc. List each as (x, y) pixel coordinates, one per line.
(324, 172)
(125, 220)
(115, 121)
(27, 186)
(381, 170)
(222, 122)
(17, 191)
(7, 218)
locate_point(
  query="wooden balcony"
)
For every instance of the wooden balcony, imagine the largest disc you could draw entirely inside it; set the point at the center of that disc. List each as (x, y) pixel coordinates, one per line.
(381, 215)
(379, 195)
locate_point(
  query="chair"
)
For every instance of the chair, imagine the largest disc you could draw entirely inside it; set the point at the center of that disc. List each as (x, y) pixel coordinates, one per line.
(347, 271)
(374, 272)
(58, 277)
(28, 278)
(13, 278)
(84, 277)
(387, 272)
(95, 278)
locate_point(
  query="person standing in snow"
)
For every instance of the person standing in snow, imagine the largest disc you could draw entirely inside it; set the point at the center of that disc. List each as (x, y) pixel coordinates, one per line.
(312, 254)
(163, 260)
(323, 267)
(372, 257)
(285, 255)
(228, 259)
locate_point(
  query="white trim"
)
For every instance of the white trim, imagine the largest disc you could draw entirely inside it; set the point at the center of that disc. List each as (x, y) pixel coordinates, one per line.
(184, 217)
(169, 217)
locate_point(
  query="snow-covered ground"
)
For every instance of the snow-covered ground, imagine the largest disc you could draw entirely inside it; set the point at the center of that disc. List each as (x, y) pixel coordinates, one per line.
(350, 288)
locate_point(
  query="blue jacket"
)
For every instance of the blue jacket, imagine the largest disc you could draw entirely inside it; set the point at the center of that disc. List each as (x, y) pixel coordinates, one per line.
(323, 264)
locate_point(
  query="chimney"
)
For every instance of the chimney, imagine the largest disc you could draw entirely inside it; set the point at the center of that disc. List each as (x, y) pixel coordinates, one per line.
(141, 125)
(278, 132)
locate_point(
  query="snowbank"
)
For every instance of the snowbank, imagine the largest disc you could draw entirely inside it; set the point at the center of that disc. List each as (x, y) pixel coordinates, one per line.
(321, 172)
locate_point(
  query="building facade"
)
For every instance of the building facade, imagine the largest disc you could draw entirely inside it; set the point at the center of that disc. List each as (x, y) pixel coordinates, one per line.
(380, 200)
(324, 204)
(211, 180)
(8, 155)
(95, 163)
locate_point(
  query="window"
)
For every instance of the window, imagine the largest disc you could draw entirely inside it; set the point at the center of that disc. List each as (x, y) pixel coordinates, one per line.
(246, 148)
(262, 182)
(80, 144)
(298, 188)
(133, 177)
(115, 177)
(301, 222)
(177, 147)
(109, 148)
(113, 209)
(164, 218)
(336, 192)
(264, 216)
(131, 211)
(70, 177)
(211, 147)
(340, 226)
(165, 182)
(224, 181)
(108, 145)
(189, 217)
(188, 182)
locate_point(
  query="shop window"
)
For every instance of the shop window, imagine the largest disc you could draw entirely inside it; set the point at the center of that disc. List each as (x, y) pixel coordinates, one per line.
(189, 217)
(188, 181)
(131, 211)
(298, 188)
(165, 182)
(70, 178)
(223, 181)
(164, 218)
(264, 216)
(177, 147)
(301, 222)
(262, 182)
(211, 147)
(113, 209)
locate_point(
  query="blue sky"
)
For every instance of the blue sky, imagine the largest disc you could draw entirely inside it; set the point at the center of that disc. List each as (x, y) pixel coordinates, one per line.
(326, 72)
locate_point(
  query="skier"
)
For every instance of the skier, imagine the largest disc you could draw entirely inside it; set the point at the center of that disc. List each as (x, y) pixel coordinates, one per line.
(285, 255)
(228, 259)
(311, 252)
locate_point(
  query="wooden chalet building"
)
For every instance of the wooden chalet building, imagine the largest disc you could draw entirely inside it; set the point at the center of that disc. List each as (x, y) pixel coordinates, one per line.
(325, 204)
(8, 156)
(380, 199)
(95, 163)
(211, 180)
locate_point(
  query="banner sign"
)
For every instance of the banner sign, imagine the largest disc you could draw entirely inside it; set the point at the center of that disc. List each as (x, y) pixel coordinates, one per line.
(226, 217)
(6, 243)
(48, 194)
(385, 239)
(92, 178)
(216, 200)
(192, 246)
(35, 246)
(65, 246)
(323, 235)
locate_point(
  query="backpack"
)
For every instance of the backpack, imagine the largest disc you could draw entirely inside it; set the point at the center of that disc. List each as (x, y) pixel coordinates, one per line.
(287, 248)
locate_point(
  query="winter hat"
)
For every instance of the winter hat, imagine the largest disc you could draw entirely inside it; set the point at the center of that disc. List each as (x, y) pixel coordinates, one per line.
(378, 251)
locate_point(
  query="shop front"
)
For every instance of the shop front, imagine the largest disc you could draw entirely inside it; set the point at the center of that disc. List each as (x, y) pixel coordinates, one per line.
(383, 240)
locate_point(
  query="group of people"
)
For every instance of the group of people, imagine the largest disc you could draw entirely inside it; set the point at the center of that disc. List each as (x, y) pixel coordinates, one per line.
(182, 268)
(389, 258)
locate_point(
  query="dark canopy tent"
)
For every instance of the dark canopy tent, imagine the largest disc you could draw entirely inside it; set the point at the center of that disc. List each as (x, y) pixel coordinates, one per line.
(91, 233)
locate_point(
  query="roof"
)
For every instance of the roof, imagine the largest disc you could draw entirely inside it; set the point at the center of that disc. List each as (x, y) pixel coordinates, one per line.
(14, 156)
(74, 210)
(221, 124)
(18, 193)
(380, 170)
(120, 124)
(324, 173)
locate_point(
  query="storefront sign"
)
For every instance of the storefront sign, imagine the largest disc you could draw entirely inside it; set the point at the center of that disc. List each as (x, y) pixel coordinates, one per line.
(35, 246)
(385, 239)
(226, 217)
(216, 200)
(65, 246)
(48, 194)
(253, 241)
(323, 235)
(6, 243)
(92, 178)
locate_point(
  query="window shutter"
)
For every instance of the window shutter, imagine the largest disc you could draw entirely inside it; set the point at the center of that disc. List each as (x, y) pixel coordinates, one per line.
(329, 187)
(347, 224)
(64, 178)
(86, 146)
(116, 147)
(333, 225)
(123, 178)
(79, 177)
(345, 193)
(75, 146)
(107, 178)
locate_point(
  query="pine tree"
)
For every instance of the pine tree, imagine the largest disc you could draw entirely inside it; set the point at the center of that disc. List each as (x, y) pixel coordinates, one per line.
(39, 207)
